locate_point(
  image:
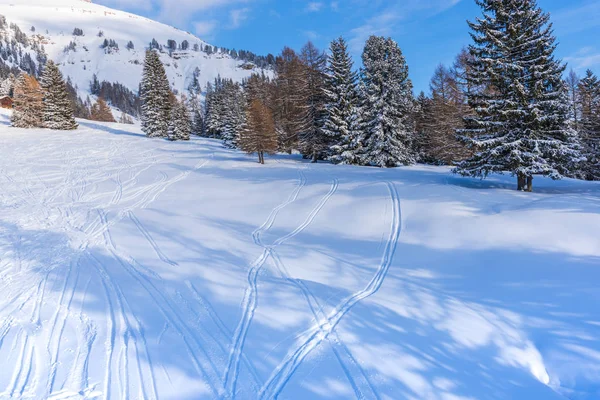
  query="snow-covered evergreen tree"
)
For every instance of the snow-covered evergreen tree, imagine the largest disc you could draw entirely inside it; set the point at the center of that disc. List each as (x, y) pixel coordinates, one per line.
(195, 105)
(155, 95)
(233, 111)
(341, 93)
(180, 125)
(589, 124)
(8, 85)
(522, 112)
(387, 103)
(313, 141)
(28, 106)
(214, 109)
(58, 109)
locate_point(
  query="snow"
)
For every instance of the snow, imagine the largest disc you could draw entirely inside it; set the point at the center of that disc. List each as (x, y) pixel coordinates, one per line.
(139, 268)
(55, 21)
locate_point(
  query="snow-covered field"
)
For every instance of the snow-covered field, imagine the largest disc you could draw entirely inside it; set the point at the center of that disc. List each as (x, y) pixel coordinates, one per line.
(137, 268)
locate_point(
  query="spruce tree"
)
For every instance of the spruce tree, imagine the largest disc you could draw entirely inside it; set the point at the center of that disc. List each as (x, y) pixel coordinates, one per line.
(313, 142)
(155, 96)
(197, 121)
(58, 109)
(233, 112)
(28, 106)
(215, 106)
(179, 123)
(521, 109)
(341, 94)
(589, 127)
(387, 103)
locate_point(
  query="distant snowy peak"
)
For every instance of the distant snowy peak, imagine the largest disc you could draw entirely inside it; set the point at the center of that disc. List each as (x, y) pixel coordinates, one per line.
(88, 39)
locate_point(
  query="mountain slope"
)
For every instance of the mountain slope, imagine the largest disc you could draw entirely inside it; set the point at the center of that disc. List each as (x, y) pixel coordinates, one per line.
(80, 57)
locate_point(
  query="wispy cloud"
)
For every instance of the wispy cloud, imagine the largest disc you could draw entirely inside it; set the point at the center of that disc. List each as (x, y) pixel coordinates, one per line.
(314, 6)
(238, 16)
(386, 21)
(205, 28)
(577, 19)
(584, 58)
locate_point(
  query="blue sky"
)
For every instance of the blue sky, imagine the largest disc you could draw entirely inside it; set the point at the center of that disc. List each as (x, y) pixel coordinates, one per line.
(429, 32)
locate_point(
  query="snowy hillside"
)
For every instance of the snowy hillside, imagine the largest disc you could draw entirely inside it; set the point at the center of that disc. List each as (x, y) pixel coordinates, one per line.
(136, 268)
(55, 22)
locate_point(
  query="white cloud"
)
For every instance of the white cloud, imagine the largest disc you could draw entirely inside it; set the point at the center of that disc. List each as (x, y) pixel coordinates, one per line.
(577, 19)
(238, 16)
(386, 22)
(204, 28)
(585, 58)
(314, 6)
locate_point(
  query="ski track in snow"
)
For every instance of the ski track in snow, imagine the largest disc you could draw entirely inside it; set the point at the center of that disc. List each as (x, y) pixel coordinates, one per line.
(249, 303)
(126, 333)
(324, 327)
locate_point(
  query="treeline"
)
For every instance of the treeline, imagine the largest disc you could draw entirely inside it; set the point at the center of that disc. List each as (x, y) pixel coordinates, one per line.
(502, 107)
(117, 95)
(319, 105)
(45, 104)
(263, 62)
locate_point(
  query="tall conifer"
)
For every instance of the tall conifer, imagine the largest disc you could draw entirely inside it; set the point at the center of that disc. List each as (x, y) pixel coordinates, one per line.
(522, 113)
(387, 103)
(58, 109)
(155, 95)
(341, 94)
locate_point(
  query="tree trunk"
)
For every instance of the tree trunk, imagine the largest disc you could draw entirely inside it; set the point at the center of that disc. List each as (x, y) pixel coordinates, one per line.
(522, 182)
(530, 183)
(315, 158)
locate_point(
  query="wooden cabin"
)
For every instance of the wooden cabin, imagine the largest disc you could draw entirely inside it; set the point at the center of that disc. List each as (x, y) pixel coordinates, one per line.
(6, 102)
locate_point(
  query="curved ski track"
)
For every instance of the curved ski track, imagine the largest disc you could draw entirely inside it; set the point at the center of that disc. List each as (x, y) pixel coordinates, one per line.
(250, 298)
(325, 326)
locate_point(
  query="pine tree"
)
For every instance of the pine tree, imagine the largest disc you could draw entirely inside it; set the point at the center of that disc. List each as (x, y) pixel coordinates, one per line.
(28, 106)
(588, 97)
(521, 121)
(341, 93)
(180, 123)
(101, 111)
(259, 135)
(386, 106)
(58, 109)
(312, 139)
(155, 96)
